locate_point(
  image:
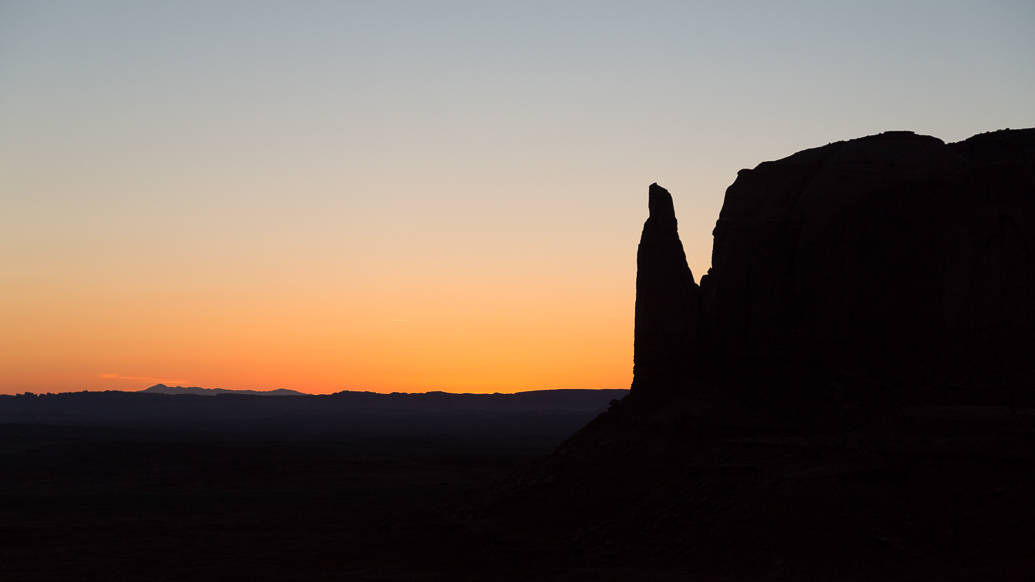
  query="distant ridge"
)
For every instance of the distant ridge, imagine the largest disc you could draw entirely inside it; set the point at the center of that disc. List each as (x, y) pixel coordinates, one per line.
(197, 391)
(544, 416)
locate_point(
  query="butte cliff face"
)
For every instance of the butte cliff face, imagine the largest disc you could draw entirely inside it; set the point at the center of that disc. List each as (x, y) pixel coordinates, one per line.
(892, 263)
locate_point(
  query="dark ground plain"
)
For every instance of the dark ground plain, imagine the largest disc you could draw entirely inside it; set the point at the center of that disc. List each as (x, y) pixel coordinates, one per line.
(124, 504)
(933, 493)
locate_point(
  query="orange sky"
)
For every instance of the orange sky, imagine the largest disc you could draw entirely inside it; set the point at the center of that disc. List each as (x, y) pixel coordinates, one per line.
(442, 196)
(477, 327)
(319, 307)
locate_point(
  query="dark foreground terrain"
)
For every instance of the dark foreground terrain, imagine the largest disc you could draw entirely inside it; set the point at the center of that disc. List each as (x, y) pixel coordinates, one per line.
(934, 493)
(120, 504)
(145, 486)
(730, 491)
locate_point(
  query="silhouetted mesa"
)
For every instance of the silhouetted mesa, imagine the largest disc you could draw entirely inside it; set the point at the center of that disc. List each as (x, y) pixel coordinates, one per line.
(877, 268)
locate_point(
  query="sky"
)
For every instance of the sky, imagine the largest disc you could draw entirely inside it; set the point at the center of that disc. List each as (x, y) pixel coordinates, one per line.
(399, 196)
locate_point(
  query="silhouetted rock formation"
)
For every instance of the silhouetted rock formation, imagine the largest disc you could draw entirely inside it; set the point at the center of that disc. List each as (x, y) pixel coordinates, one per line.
(892, 261)
(666, 301)
(848, 394)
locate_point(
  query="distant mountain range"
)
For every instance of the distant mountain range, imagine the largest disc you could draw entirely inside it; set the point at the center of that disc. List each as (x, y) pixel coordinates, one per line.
(197, 391)
(538, 415)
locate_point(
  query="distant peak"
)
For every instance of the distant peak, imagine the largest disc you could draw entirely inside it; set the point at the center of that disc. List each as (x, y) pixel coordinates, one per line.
(198, 391)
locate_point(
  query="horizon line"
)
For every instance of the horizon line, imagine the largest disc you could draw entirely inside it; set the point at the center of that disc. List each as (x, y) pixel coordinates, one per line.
(297, 392)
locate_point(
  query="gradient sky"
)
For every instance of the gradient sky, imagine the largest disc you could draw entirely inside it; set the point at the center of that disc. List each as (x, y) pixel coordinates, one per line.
(414, 196)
